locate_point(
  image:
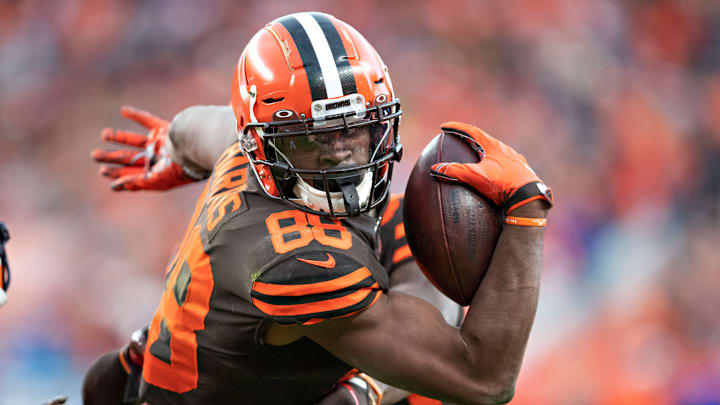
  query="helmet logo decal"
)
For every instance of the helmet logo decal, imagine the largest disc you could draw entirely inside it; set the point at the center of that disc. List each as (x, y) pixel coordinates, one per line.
(350, 103)
(337, 104)
(323, 55)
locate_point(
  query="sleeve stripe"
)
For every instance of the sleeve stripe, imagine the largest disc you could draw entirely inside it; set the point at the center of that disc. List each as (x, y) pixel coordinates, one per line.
(377, 296)
(318, 306)
(312, 318)
(402, 254)
(293, 300)
(313, 288)
(415, 399)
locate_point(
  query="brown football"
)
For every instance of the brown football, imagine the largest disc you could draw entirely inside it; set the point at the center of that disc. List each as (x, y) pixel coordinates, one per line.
(452, 230)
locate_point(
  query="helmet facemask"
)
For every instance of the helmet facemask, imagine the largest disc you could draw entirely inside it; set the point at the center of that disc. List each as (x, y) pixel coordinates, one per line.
(336, 165)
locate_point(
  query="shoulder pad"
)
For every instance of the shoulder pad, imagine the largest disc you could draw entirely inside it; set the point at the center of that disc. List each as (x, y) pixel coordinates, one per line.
(309, 287)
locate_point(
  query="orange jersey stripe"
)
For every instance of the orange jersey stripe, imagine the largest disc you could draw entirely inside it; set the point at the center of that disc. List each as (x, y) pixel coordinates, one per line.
(313, 321)
(315, 307)
(399, 230)
(393, 206)
(377, 297)
(199, 205)
(314, 288)
(415, 399)
(402, 253)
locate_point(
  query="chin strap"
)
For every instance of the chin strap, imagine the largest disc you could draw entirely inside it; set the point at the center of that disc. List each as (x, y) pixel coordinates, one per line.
(351, 199)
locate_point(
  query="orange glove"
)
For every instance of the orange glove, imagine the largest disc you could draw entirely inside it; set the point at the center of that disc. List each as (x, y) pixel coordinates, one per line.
(502, 174)
(149, 169)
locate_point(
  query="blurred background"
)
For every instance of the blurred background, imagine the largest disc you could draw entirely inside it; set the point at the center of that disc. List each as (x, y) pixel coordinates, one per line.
(616, 104)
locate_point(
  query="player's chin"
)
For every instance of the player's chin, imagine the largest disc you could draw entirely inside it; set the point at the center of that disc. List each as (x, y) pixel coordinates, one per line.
(333, 182)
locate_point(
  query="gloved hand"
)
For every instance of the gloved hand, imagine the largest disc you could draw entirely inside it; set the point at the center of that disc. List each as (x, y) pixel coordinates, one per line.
(148, 169)
(502, 174)
(354, 389)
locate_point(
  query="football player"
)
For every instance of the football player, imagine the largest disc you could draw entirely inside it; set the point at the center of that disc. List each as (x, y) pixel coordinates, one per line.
(278, 290)
(116, 374)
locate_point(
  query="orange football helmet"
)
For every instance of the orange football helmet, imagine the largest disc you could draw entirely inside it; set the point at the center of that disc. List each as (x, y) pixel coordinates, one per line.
(308, 84)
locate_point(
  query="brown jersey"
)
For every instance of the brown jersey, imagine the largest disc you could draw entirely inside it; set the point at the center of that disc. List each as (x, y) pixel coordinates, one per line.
(246, 261)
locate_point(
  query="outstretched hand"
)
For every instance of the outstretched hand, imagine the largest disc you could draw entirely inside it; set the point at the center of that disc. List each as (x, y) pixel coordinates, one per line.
(146, 164)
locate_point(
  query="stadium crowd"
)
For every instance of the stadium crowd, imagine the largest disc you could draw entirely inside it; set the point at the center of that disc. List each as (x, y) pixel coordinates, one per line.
(615, 103)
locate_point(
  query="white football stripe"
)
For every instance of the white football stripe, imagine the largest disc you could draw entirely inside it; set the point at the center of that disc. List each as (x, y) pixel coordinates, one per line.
(333, 87)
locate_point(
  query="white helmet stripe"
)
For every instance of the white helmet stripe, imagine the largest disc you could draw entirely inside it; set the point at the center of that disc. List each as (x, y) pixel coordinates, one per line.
(324, 55)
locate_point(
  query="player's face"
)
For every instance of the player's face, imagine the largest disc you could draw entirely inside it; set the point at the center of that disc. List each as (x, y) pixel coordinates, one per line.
(328, 151)
(333, 150)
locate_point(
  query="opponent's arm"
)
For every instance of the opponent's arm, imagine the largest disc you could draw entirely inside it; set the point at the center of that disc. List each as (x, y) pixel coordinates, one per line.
(171, 154)
(200, 134)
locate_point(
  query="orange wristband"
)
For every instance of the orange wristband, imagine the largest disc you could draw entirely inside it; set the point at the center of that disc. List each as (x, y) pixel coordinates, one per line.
(520, 221)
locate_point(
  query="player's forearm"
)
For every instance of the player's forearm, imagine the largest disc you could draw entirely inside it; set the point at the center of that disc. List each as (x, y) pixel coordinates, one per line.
(408, 279)
(199, 135)
(502, 312)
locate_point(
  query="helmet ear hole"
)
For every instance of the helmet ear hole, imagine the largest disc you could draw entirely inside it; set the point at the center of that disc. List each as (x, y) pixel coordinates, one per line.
(273, 100)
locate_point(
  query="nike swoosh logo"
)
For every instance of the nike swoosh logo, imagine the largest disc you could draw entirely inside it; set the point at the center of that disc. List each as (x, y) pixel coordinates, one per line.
(328, 264)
